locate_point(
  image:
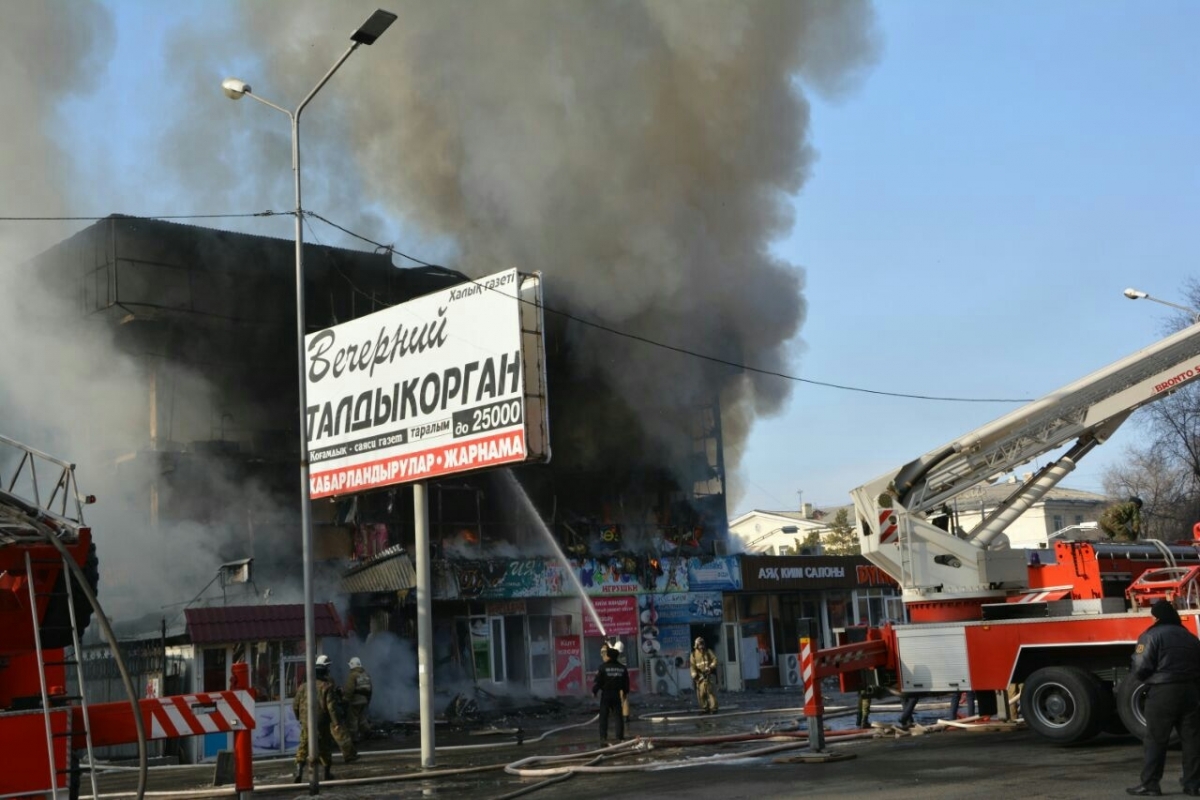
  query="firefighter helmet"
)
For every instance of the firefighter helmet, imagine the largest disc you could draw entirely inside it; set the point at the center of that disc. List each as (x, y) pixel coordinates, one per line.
(355, 663)
(322, 662)
(699, 642)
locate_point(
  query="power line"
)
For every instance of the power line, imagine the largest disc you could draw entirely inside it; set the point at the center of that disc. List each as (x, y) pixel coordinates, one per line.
(683, 350)
(267, 213)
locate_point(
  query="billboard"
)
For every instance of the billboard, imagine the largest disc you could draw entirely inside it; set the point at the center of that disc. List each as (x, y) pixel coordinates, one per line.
(453, 381)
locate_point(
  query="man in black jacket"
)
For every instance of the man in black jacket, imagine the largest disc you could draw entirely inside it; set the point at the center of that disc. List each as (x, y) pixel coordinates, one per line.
(612, 684)
(1167, 658)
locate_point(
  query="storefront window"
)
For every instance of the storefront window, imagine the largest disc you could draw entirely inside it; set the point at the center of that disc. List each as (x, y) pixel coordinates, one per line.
(214, 670)
(838, 605)
(541, 666)
(293, 675)
(264, 669)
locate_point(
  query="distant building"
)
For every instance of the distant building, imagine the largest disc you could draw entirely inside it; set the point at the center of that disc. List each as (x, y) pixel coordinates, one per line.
(1074, 512)
(774, 533)
(1060, 508)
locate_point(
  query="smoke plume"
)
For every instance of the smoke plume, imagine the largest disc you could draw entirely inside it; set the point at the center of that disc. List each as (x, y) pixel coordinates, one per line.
(642, 155)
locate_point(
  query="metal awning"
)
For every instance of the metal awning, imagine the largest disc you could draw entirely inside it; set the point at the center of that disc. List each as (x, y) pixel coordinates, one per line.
(225, 624)
(390, 571)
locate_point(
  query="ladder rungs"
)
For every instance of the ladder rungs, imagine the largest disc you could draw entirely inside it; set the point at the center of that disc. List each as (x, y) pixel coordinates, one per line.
(68, 663)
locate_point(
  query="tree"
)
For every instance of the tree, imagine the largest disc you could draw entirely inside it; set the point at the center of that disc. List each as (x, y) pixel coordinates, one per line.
(841, 539)
(811, 543)
(1164, 468)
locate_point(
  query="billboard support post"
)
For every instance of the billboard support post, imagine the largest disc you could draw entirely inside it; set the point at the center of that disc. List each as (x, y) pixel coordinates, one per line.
(424, 621)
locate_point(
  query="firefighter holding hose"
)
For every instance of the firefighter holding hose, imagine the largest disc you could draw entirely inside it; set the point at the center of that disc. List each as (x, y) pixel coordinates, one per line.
(703, 663)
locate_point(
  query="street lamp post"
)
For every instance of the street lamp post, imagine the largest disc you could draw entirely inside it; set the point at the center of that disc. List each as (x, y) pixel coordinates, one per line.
(235, 89)
(1134, 294)
(791, 530)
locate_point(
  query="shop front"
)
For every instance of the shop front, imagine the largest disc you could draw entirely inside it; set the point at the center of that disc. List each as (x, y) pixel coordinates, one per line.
(271, 640)
(783, 595)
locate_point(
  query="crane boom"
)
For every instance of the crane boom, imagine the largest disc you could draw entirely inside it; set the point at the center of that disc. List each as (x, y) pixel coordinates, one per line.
(931, 562)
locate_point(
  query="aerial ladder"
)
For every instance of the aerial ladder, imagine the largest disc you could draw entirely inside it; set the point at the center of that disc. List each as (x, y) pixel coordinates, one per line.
(947, 574)
(982, 616)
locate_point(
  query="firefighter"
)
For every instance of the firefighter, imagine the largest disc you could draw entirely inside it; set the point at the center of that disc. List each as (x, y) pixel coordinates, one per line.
(616, 644)
(358, 696)
(612, 684)
(1123, 521)
(1167, 658)
(329, 723)
(703, 663)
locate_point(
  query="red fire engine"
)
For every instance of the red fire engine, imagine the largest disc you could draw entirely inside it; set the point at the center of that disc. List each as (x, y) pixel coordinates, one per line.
(48, 578)
(1061, 621)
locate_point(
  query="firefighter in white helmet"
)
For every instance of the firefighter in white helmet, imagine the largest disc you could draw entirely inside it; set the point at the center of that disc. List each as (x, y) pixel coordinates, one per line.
(329, 723)
(358, 696)
(703, 663)
(615, 643)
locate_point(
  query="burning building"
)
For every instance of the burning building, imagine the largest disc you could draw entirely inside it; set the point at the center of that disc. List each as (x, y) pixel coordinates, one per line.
(198, 465)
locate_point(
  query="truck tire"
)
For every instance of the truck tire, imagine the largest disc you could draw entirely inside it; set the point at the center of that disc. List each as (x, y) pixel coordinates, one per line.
(1064, 704)
(1131, 706)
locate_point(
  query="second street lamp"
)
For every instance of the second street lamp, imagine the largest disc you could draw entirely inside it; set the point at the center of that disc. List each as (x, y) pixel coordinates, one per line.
(1135, 294)
(235, 89)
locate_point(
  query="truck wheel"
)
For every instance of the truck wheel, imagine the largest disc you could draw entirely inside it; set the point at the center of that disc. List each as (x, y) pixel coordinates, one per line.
(1131, 706)
(1063, 704)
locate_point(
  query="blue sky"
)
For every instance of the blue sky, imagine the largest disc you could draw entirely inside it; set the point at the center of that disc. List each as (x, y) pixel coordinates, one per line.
(978, 204)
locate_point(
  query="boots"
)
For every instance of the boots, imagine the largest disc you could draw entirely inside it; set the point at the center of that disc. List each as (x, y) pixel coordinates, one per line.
(328, 773)
(298, 776)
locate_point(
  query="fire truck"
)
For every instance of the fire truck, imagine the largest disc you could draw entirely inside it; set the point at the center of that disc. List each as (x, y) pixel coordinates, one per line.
(48, 579)
(1055, 626)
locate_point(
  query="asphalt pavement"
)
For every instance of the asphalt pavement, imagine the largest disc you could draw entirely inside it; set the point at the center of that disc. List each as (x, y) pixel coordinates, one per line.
(752, 749)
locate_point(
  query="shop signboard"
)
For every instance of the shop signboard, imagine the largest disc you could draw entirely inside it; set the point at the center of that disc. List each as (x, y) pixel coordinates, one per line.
(714, 574)
(498, 580)
(800, 573)
(568, 665)
(446, 383)
(680, 607)
(618, 615)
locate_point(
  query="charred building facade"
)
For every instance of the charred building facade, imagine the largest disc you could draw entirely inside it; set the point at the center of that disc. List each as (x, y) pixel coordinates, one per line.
(191, 434)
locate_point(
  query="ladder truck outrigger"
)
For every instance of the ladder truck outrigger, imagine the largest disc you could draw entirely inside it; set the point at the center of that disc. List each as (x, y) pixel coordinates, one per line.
(48, 578)
(1062, 622)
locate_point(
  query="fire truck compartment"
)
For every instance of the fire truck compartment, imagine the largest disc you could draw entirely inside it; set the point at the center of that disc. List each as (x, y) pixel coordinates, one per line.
(933, 658)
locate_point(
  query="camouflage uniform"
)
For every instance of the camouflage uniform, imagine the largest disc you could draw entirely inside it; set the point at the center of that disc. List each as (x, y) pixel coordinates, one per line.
(703, 663)
(329, 724)
(358, 697)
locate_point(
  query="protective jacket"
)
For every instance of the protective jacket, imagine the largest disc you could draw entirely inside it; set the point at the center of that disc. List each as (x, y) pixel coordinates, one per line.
(1167, 653)
(611, 679)
(703, 664)
(358, 686)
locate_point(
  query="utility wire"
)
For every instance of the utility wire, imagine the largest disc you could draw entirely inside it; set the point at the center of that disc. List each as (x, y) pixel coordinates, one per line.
(267, 213)
(380, 247)
(682, 350)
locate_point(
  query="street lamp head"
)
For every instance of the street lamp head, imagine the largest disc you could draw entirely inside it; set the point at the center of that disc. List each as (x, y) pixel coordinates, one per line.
(1134, 294)
(373, 28)
(234, 88)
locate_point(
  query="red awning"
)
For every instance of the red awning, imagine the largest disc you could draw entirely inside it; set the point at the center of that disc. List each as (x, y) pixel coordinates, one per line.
(227, 624)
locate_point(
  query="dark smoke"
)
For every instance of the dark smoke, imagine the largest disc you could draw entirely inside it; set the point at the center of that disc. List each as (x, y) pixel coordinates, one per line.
(643, 155)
